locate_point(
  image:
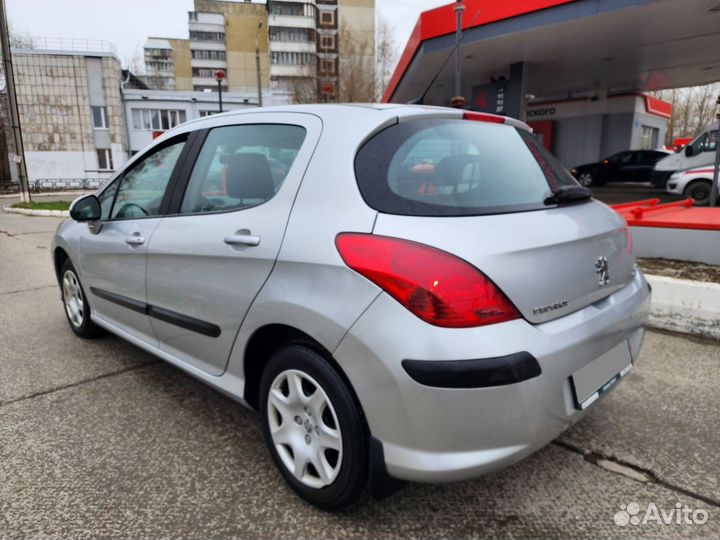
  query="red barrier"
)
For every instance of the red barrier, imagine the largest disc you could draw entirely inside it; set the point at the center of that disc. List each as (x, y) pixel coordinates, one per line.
(675, 215)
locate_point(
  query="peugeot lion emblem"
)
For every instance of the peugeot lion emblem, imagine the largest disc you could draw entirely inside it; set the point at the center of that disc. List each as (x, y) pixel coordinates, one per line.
(601, 269)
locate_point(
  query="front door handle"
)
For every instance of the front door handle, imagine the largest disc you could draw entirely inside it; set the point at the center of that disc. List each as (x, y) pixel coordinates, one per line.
(135, 240)
(238, 239)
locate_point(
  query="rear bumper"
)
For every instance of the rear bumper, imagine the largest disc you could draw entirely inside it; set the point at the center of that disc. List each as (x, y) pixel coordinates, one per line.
(437, 434)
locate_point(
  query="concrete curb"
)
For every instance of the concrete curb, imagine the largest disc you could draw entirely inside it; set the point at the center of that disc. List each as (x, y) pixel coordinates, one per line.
(28, 212)
(681, 305)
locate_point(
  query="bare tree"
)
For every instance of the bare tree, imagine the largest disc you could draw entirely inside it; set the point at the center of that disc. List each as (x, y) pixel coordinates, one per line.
(135, 63)
(693, 109)
(356, 70)
(365, 65)
(20, 40)
(303, 89)
(386, 56)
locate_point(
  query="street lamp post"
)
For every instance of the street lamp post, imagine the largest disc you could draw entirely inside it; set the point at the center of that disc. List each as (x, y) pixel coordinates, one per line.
(219, 77)
(257, 64)
(458, 101)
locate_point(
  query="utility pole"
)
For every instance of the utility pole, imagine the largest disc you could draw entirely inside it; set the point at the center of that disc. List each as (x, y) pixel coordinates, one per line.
(257, 64)
(716, 170)
(219, 76)
(19, 157)
(458, 100)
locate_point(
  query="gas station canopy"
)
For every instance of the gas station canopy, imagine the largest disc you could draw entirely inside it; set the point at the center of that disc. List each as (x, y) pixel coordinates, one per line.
(566, 48)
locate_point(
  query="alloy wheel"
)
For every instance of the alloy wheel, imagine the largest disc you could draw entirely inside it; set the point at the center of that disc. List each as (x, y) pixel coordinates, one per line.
(585, 179)
(304, 428)
(73, 298)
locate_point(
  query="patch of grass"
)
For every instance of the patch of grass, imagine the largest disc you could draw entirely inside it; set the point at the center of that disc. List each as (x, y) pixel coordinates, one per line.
(44, 205)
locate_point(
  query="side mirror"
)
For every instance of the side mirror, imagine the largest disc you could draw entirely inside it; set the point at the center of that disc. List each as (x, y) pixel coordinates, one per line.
(689, 150)
(86, 208)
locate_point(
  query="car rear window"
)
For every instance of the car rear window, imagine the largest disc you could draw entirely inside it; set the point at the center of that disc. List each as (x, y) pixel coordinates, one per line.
(456, 168)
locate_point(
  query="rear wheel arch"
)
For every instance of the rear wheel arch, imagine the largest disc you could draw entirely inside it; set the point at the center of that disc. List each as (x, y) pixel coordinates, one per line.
(269, 339)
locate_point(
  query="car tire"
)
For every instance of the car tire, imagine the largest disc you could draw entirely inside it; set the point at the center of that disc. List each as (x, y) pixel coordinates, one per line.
(75, 304)
(699, 190)
(318, 440)
(585, 179)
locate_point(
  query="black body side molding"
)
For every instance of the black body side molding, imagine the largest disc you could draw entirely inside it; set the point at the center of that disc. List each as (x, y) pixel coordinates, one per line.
(161, 314)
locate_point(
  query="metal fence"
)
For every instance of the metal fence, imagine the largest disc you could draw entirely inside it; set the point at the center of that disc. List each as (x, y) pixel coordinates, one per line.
(49, 184)
(72, 45)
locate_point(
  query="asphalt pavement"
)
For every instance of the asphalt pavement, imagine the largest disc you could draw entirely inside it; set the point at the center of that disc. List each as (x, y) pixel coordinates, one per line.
(99, 439)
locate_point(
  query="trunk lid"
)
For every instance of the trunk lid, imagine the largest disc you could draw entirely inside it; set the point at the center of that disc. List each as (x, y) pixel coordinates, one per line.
(548, 262)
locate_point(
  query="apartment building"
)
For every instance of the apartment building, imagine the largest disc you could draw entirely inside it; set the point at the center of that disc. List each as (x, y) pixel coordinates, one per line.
(223, 35)
(70, 108)
(82, 116)
(300, 45)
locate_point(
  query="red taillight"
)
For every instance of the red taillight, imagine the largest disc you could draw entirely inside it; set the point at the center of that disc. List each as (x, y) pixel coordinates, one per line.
(438, 287)
(484, 117)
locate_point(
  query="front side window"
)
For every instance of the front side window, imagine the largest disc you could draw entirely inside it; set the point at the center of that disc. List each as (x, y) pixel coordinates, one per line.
(707, 142)
(456, 168)
(241, 166)
(106, 199)
(142, 187)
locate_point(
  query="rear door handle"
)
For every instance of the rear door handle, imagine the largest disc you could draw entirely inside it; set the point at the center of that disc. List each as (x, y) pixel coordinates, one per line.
(135, 240)
(242, 240)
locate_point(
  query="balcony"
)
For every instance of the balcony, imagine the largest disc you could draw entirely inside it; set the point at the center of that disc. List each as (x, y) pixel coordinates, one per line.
(292, 21)
(293, 46)
(288, 70)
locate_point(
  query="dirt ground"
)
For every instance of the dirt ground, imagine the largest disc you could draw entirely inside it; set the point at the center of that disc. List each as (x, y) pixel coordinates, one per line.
(681, 269)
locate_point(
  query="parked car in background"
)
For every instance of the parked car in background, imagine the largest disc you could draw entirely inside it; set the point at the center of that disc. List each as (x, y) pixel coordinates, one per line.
(695, 184)
(415, 293)
(628, 166)
(699, 153)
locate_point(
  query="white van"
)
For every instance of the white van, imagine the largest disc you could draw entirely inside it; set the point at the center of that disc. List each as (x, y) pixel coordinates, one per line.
(699, 153)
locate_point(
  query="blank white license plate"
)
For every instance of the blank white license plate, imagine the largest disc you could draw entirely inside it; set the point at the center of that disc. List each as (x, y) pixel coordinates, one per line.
(596, 378)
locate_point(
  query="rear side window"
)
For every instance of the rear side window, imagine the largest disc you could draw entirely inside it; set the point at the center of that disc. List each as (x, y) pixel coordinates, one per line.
(456, 168)
(241, 166)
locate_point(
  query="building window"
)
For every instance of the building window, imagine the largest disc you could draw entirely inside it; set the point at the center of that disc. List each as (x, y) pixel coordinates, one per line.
(159, 65)
(100, 119)
(104, 157)
(198, 35)
(158, 53)
(327, 42)
(289, 8)
(288, 58)
(157, 119)
(327, 18)
(649, 138)
(282, 33)
(207, 73)
(202, 54)
(203, 114)
(327, 67)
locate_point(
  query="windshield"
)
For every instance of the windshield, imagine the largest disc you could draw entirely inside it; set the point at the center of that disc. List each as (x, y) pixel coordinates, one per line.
(455, 168)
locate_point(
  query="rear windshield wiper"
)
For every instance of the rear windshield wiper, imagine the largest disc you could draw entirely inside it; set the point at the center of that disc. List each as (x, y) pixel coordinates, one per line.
(569, 194)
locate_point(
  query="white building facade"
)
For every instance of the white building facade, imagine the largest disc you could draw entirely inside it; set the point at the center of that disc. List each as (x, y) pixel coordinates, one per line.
(150, 113)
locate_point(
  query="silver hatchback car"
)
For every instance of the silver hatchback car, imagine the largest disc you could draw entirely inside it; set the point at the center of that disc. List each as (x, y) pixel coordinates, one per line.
(403, 293)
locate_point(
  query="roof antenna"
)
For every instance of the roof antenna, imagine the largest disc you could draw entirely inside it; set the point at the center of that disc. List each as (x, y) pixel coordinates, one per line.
(421, 100)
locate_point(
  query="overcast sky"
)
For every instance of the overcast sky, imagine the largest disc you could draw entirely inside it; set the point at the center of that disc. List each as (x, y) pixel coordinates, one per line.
(126, 23)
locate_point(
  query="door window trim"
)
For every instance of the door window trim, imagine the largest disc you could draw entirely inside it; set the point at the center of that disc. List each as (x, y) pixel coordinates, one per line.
(180, 189)
(179, 169)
